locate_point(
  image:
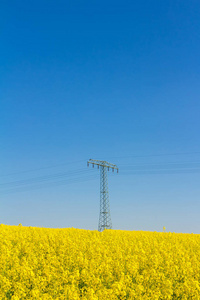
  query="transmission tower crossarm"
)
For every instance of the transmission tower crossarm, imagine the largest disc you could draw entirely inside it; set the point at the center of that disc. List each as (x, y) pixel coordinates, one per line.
(102, 163)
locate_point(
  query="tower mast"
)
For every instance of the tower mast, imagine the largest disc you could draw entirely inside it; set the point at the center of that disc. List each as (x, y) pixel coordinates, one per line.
(104, 216)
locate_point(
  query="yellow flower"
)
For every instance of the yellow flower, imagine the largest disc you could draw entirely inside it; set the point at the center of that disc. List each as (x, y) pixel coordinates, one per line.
(73, 264)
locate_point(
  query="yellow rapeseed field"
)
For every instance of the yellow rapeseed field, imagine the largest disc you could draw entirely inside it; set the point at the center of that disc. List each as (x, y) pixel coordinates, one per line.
(41, 263)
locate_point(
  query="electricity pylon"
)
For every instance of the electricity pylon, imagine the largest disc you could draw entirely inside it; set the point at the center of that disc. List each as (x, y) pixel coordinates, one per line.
(104, 217)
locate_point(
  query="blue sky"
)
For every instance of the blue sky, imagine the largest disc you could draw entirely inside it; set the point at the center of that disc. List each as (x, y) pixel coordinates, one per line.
(110, 80)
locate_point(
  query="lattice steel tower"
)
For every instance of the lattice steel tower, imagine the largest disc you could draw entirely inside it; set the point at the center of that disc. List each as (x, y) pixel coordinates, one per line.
(104, 217)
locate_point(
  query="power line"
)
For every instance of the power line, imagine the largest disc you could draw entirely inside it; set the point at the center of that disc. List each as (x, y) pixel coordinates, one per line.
(161, 163)
(155, 155)
(48, 184)
(161, 172)
(161, 166)
(44, 178)
(43, 168)
(74, 162)
(170, 167)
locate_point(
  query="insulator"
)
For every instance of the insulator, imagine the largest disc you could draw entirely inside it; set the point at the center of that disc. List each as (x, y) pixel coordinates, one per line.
(88, 164)
(93, 165)
(117, 171)
(113, 169)
(98, 166)
(108, 168)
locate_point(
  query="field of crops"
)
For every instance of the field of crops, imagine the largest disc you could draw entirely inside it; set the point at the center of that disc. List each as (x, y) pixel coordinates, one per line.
(40, 263)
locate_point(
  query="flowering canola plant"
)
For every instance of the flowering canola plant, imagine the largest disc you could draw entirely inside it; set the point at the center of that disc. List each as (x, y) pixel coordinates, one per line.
(41, 263)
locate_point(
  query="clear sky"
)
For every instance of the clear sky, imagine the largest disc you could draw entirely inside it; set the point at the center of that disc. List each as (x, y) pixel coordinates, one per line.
(111, 80)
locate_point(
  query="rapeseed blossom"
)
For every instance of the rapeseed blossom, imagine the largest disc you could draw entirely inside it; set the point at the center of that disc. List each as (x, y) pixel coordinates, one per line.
(41, 263)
